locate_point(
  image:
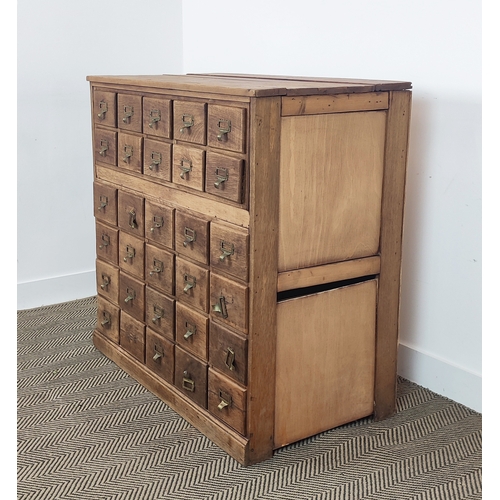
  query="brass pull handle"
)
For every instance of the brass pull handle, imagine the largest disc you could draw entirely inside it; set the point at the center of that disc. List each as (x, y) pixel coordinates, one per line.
(105, 241)
(107, 319)
(128, 151)
(220, 306)
(189, 236)
(191, 330)
(187, 382)
(225, 400)
(154, 117)
(106, 280)
(222, 175)
(103, 202)
(103, 109)
(222, 405)
(155, 160)
(227, 250)
(189, 282)
(132, 222)
(128, 112)
(130, 295)
(158, 353)
(157, 267)
(229, 361)
(104, 147)
(129, 253)
(187, 122)
(157, 222)
(158, 313)
(186, 166)
(224, 129)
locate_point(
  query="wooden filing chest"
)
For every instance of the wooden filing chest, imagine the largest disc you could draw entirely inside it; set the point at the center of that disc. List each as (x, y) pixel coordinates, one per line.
(248, 241)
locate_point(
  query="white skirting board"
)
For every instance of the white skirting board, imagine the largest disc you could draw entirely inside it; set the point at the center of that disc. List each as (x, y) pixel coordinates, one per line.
(441, 376)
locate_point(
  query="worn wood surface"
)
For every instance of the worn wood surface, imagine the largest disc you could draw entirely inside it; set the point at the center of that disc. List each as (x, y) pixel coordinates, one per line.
(158, 160)
(159, 355)
(224, 176)
(131, 296)
(160, 313)
(227, 127)
(157, 116)
(131, 254)
(191, 377)
(191, 331)
(133, 336)
(107, 281)
(159, 269)
(108, 319)
(192, 284)
(129, 112)
(159, 223)
(192, 236)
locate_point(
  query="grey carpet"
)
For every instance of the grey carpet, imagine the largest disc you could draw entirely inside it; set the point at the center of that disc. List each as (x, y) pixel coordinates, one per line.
(87, 430)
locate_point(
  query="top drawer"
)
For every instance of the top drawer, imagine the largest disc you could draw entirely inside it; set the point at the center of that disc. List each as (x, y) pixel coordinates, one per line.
(129, 112)
(104, 109)
(190, 121)
(227, 127)
(156, 117)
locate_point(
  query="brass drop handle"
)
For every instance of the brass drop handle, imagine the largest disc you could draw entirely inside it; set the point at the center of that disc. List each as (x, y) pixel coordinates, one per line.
(187, 381)
(158, 313)
(189, 236)
(107, 319)
(191, 330)
(157, 222)
(157, 267)
(105, 241)
(229, 361)
(220, 306)
(130, 295)
(129, 253)
(154, 117)
(155, 160)
(225, 400)
(187, 122)
(222, 175)
(186, 166)
(103, 200)
(104, 147)
(132, 222)
(189, 282)
(158, 353)
(103, 109)
(224, 129)
(128, 112)
(106, 280)
(128, 151)
(227, 250)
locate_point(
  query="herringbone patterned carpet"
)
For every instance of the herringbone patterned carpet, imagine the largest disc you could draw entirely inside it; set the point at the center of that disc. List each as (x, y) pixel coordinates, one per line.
(86, 430)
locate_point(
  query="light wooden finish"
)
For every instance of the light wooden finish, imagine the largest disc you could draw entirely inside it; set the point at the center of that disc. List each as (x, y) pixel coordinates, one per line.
(132, 336)
(107, 243)
(188, 167)
(192, 284)
(131, 297)
(224, 176)
(159, 355)
(159, 268)
(223, 118)
(131, 254)
(160, 313)
(157, 159)
(156, 116)
(129, 112)
(192, 331)
(108, 319)
(108, 281)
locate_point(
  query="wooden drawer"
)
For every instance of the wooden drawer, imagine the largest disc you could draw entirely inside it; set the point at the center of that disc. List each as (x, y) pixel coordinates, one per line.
(228, 302)
(159, 224)
(105, 203)
(129, 112)
(190, 121)
(227, 127)
(160, 355)
(108, 319)
(224, 177)
(188, 167)
(228, 353)
(191, 236)
(132, 336)
(191, 331)
(131, 254)
(107, 243)
(157, 116)
(130, 152)
(229, 249)
(157, 161)
(105, 146)
(108, 282)
(191, 284)
(104, 108)
(227, 401)
(131, 296)
(160, 269)
(160, 313)
(131, 213)
(191, 377)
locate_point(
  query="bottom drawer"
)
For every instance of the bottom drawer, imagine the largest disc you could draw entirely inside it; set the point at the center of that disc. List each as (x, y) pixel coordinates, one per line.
(160, 355)
(132, 336)
(191, 377)
(108, 319)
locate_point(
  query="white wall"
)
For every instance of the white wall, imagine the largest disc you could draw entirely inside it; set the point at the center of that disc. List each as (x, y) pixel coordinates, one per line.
(59, 44)
(436, 44)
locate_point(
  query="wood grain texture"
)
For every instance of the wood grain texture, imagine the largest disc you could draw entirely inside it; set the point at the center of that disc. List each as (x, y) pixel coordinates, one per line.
(129, 112)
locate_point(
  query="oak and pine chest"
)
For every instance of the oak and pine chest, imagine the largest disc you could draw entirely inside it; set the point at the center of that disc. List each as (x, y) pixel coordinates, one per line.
(248, 241)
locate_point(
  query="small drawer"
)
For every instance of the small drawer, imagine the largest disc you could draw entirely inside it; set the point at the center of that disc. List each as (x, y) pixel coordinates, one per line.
(130, 152)
(129, 112)
(191, 236)
(160, 313)
(105, 146)
(160, 356)
(188, 167)
(160, 269)
(228, 353)
(131, 254)
(227, 127)
(191, 284)
(191, 377)
(132, 336)
(224, 177)
(190, 121)
(228, 301)
(131, 213)
(191, 331)
(156, 116)
(159, 224)
(104, 108)
(108, 282)
(227, 401)
(131, 296)
(105, 203)
(157, 163)
(107, 243)
(229, 249)
(108, 320)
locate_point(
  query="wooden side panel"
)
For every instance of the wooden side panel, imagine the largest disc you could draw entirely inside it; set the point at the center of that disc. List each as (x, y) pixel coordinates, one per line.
(391, 239)
(330, 188)
(325, 359)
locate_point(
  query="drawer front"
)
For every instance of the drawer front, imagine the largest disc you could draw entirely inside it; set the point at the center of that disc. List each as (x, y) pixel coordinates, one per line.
(188, 167)
(191, 284)
(228, 353)
(129, 112)
(191, 377)
(191, 331)
(131, 296)
(191, 236)
(190, 121)
(227, 401)
(132, 336)
(130, 152)
(157, 162)
(104, 110)
(229, 249)
(159, 224)
(131, 213)
(160, 356)
(224, 177)
(105, 203)
(160, 269)
(157, 116)
(228, 301)
(108, 282)
(105, 146)
(108, 319)
(107, 243)
(227, 127)
(131, 254)
(160, 313)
